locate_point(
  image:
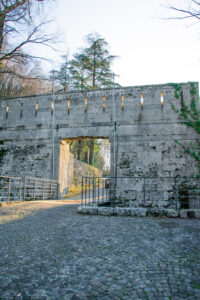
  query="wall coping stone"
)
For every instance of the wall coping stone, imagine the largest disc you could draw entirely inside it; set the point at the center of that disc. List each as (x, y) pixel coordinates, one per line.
(190, 213)
(139, 212)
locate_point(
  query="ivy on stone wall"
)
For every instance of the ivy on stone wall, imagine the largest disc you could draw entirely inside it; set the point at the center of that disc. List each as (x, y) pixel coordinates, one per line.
(177, 89)
(190, 114)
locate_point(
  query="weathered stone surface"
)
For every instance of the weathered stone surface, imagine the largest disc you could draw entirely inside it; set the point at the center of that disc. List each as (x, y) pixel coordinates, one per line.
(159, 212)
(121, 211)
(94, 210)
(156, 212)
(190, 213)
(138, 212)
(80, 209)
(183, 213)
(118, 211)
(144, 137)
(85, 209)
(105, 211)
(172, 213)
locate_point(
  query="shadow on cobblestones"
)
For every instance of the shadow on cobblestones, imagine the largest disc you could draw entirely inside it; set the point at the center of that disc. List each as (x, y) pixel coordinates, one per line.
(57, 254)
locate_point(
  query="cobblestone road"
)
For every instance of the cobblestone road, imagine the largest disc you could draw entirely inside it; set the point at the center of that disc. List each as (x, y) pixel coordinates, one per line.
(54, 253)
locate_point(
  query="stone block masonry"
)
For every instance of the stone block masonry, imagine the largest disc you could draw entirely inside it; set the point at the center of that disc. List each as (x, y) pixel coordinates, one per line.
(145, 134)
(139, 212)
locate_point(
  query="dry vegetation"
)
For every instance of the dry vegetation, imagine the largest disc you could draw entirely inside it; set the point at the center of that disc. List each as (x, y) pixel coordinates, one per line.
(14, 211)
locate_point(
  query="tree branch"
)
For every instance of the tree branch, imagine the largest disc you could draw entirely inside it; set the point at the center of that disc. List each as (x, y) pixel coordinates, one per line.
(43, 40)
(8, 9)
(189, 13)
(19, 75)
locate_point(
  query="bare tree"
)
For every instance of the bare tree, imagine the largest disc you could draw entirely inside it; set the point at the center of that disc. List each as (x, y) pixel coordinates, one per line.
(21, 85)
(19, 26)
(22, 23)
(186, 9)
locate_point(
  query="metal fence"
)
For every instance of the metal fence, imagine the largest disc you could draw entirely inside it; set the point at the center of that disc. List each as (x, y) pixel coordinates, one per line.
(40, 189)
(94, 191)
(10, 188)
(169, 192)
(16, 189)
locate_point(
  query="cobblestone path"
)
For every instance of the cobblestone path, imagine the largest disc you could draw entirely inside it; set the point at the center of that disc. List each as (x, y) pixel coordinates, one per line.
(54, 253)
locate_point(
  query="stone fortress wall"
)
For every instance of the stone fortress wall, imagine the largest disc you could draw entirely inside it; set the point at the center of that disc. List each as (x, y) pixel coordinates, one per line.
(144, 134)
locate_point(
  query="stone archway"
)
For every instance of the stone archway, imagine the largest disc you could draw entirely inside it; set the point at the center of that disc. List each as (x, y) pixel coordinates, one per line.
(71, 169)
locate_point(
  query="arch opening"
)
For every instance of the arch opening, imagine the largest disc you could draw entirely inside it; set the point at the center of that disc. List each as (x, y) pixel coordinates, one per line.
(82, 156)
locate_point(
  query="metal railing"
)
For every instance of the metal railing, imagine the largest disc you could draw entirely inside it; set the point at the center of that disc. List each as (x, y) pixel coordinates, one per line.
(16, 189)
(168, 192)
(10, 188)
(40, 189)
(94, 191)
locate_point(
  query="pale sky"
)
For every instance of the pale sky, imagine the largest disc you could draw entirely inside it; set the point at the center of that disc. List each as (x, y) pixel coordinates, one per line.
(151, 50)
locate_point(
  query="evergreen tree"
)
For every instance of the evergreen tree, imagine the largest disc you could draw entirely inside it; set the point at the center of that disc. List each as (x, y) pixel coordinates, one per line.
(64, 74)
(78, 70)
(90, 68)
(99, 62)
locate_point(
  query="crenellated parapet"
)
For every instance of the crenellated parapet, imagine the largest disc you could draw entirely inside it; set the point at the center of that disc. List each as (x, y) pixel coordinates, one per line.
(129, 101)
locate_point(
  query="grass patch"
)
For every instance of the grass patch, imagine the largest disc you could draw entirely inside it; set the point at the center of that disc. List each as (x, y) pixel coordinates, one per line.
(73, 192)
(14, 211)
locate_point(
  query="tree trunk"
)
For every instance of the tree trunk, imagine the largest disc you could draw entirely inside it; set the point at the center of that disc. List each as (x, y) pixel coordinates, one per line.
(2, 24)
(79, 150)
(85, 157)
(4, 11)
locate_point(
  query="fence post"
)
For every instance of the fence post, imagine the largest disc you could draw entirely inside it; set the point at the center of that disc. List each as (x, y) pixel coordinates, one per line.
(43, 190)
(34, 191)
(20, 189)
(144, 190)
(89, 191)
(93, 192)
(24, 188)
(103, 187)
(176, 192)
(98, 191)
(9, 189)
(58, 191)
(51, 190)
(82, 191)
(86, 190)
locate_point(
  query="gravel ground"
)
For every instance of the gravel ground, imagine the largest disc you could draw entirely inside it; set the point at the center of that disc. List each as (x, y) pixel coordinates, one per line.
(48, 251)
